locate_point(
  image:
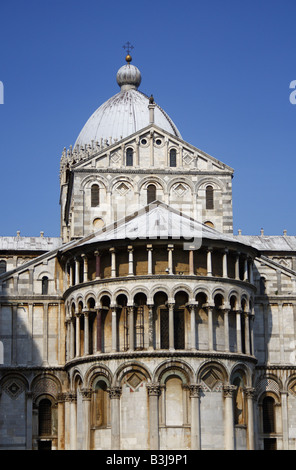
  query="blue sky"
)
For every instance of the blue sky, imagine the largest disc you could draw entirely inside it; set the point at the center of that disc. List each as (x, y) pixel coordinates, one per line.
(221, 70)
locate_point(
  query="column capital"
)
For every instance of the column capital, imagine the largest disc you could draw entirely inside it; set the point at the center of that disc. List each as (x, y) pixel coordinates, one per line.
(153, 389)
(86, 393)
(250, 392)
(194, 390)
(114, 392)
(228, 390)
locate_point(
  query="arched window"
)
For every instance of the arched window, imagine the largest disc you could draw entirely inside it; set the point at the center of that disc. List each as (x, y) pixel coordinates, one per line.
(268, 415)
(44, 418)
(2, 266)
(209, 197)
(95, 195)
(129, 157)
(151, 193)
(173, 157)
(45, 285)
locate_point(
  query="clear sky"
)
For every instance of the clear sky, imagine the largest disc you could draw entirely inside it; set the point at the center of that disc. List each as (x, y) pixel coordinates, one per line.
(220, 68)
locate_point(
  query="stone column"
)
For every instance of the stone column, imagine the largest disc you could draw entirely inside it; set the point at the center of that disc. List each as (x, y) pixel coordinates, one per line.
(151, 328)
(151, 148)
(194, 390)
(61, 421)
(237, 266)
(114, 393)
(209, 262)
(29, 424)
(130, 261)
(285, 427)
(247, 333)
(246, 269)
(77, 334)
(71, 283)
(226, 329)
(191, 263)
(131, 327)
(86, 333)
(85, 267)
(210, 327)
(99, 330)
(192, 326)
(86, 399)
(250, 406)
(153, 394)
(72, 338)
(114, 329)
(171, 327)
(149, 249)
(45, 334)
(225, 271)
(238, 332)
(98, 264)
(251, 274)
(170, 258)
(228, 416)
(113, 262)
(73, 421)
(77, 264)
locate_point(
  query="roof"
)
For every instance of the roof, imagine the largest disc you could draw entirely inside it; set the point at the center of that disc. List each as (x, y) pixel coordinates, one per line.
(124, 113)
(269, 243)
(19, 243)
(155, 221)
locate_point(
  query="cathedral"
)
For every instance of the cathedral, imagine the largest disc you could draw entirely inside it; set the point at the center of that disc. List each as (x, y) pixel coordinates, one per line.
(147, 324)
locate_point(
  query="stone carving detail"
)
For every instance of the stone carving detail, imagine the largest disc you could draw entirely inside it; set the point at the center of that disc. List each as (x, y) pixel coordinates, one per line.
(13, 388)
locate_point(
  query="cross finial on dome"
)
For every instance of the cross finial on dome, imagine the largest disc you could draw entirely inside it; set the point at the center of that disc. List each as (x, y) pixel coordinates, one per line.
(128, 46)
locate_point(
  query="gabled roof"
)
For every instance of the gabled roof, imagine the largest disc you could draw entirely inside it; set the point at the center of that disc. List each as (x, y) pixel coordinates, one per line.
(155, 221)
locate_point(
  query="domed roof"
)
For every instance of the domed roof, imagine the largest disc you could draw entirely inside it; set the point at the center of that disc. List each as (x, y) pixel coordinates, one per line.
(124, 113)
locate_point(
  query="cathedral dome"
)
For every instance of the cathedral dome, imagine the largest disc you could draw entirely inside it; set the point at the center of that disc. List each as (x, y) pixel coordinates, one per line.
(124, 113)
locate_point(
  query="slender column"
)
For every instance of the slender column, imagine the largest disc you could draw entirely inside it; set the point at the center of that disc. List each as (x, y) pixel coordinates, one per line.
(29, 426)
(77, 334)
(237, 266)
(149, 249)
(153, 394)
(99, 330)
(228, 417)
(225, 273)
(30, 334)
(170, 258)
(284, 395)
(195, 416)
(191, 262)
(251, 320)
(238, 332)
(113, 262)
(171, 327)
(98, 264)
(71, 283)
(61, 421)
(72, 338)
(251, 274)
(250, 406)
(14, 333)
(130, 261)
(151, 327)
(86, 333)
(246, 269)
(85, 267)
(114, 394)
(131, 327)
(73, 421)
(210, 327)
(76, 271)
(192, 326)
(247, 333)
(226, 329)
(114, 329)
(86, 399)
(209, 262)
